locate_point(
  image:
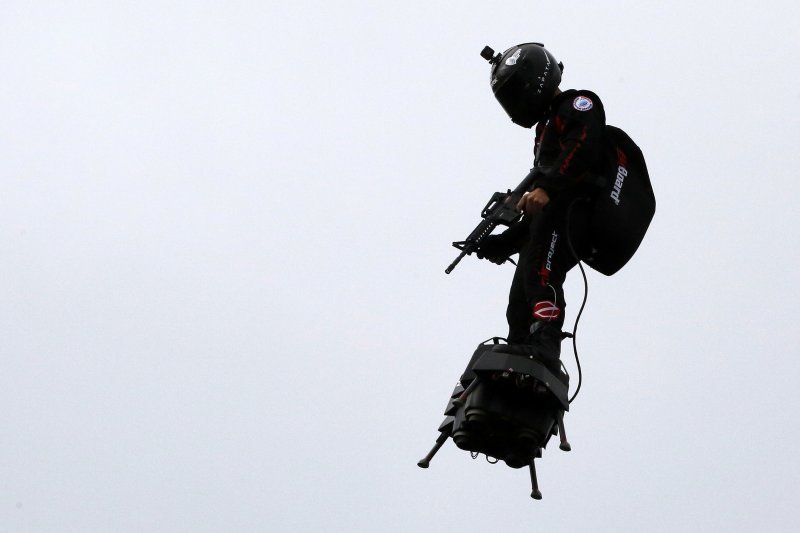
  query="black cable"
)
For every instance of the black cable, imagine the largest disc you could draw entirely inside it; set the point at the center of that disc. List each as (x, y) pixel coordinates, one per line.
(585, 296)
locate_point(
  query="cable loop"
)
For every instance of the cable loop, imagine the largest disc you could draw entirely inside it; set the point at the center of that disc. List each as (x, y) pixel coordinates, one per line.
(585, 296)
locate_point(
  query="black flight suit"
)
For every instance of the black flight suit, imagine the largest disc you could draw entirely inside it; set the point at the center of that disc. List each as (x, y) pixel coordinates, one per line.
(569, 150)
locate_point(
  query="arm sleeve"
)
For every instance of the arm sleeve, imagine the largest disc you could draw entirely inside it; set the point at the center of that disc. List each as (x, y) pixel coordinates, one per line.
(579, 123)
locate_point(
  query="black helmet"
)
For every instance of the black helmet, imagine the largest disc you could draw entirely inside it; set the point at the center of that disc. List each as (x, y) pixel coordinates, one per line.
(524, 79)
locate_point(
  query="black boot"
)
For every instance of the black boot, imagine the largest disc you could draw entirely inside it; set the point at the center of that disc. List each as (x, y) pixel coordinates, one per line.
(548, 337)
(543, 342)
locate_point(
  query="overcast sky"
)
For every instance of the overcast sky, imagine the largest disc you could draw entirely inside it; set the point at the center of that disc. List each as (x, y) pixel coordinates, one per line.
(224, 228)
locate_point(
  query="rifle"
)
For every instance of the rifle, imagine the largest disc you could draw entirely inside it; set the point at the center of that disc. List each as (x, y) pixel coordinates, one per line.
(500, 210)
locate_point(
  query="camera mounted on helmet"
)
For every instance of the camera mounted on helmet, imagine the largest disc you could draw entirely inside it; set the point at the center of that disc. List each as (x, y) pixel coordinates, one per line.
(524, 79)
(488, 54)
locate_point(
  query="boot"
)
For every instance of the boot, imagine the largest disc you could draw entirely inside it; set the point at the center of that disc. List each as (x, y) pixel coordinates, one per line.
(548, 337)
(543, 342)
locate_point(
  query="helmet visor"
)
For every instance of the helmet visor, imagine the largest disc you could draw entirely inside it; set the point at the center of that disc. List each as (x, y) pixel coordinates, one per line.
(519, 101)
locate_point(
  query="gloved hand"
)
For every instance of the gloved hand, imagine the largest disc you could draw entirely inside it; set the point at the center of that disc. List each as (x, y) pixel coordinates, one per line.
(496, 248)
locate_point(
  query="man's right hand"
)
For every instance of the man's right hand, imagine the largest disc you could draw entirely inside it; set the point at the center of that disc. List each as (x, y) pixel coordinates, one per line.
(533, 202)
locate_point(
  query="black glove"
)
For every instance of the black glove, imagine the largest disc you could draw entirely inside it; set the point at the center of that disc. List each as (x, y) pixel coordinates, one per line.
(496, 248)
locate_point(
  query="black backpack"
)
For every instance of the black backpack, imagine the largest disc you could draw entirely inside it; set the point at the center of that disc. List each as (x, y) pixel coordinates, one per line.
(623, 208)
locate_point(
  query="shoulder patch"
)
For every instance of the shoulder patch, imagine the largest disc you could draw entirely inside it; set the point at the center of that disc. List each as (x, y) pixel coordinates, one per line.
(582, 103)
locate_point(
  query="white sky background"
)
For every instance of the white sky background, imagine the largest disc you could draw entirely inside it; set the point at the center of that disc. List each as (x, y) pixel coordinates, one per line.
(224, 228)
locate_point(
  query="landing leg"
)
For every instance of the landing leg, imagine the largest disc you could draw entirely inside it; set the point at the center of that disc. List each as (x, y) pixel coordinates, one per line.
(562, 435)
(426, 461)
(536, 494)
(461, 400)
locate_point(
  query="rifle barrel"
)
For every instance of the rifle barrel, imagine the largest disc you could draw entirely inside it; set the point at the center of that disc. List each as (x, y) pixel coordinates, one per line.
(454, 263)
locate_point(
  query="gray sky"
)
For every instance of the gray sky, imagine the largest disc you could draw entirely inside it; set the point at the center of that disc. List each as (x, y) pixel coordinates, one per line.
(224, 228)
